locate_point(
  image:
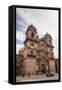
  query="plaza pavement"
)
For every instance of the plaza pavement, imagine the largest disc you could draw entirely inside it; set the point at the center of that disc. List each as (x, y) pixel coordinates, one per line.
(36, 78)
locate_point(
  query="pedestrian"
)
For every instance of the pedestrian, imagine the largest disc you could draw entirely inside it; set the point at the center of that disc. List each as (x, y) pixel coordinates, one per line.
(23, 74)
(28, 74)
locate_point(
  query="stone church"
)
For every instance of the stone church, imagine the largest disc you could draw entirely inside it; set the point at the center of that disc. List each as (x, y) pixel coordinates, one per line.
(37, 55)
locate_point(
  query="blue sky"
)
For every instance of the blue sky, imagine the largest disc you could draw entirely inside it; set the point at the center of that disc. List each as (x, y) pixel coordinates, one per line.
(43, 20)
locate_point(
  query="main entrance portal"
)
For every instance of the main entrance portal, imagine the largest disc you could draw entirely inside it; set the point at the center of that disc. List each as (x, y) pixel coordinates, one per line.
(42, 69)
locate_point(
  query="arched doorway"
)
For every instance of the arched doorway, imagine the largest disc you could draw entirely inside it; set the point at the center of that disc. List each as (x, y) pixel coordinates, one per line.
(42, 68)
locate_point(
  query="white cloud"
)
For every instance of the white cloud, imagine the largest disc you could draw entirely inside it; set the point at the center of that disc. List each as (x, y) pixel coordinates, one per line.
(20, 35)
(18, 47)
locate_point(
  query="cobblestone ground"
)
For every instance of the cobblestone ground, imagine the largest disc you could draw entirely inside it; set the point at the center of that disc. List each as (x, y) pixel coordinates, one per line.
(36, 78)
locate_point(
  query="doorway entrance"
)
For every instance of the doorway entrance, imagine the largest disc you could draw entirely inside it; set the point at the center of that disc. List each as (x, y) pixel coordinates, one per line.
(42, 69)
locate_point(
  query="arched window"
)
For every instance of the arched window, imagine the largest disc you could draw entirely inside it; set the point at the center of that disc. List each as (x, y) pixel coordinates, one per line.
(32, 44)
(49, 41)
(32, 34)
(31, 52)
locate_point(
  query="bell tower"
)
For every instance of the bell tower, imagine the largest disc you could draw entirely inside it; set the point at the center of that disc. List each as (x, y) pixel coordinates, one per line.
(49, 45)
(31, 36)
(50, 53)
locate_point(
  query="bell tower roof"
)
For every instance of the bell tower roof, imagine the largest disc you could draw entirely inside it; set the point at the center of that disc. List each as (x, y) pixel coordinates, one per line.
(32, 28)
(47, 35)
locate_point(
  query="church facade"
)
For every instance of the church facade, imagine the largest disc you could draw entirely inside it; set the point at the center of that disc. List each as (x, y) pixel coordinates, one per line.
(37, 55)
